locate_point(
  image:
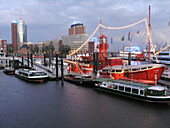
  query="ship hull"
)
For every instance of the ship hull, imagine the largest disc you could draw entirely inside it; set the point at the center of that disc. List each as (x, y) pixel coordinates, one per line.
(133, 96)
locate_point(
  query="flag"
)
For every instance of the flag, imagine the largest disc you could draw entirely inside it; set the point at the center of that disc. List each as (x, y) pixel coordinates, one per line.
(129, 36)
(123, 38)
(111, 41)
(137, 32)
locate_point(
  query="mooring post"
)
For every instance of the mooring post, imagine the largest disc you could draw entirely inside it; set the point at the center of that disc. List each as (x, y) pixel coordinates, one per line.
(44, 59)
(94, 65)
(22, 64)
(129, 58)
(62, 75)
(13, 62)
(28, 64)
(49, 59)
(97, 61)
(31, 61)
(56, 66)
(6, 62)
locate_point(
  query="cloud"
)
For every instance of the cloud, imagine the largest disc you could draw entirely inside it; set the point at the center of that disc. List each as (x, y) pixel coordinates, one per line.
(48, 19)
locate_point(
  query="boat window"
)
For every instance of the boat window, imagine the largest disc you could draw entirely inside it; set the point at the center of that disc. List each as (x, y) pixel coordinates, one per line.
(141, 92)
(104, 84)
(113, 71)
(149, 67)
(118, 70)
(127, 89)
(121, 87)
(144, 68)
(31, 75)
(135, 91)
(126, 70)
(155, 92)
(114, 86)
(136, 69)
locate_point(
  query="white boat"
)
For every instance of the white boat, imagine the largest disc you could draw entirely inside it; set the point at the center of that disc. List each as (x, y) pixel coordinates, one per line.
(38, 61)
(166, 75)
(31, 75)
(162, 58)
(136, 54)
(139, 91)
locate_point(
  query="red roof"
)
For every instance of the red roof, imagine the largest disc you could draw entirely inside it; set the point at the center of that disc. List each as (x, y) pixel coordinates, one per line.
(103, 36)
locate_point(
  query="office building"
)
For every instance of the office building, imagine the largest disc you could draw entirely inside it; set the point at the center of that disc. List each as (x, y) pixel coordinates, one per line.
(14, 36)
(76, 37)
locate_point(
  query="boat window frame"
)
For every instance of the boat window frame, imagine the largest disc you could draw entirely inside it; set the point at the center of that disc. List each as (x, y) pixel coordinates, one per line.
(135, 92)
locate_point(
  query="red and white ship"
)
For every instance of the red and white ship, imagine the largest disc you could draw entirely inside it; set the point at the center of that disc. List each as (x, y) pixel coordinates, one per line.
(114, 67)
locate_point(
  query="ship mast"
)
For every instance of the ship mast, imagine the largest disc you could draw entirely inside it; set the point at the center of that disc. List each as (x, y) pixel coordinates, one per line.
(100, 28)
(149, 34)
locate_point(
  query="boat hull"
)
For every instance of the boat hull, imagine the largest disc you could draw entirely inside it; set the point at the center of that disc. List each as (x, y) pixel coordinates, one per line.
(34, 80)
(9, 72)
(83, 82)
(134, 96)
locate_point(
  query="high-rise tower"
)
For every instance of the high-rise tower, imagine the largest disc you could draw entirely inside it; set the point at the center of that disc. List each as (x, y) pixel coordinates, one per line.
(22, 31)
(14, 36)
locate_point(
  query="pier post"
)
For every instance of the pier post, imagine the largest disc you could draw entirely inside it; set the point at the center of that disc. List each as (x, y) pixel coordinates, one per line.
(56, 66)
(44, 59)
(13, 62)
(94, 64)
(49, 59)
(6, 62)
(31, 61)
(97, 61)
(129, 58)
(62, 75)
(22, 64)
(28, 64)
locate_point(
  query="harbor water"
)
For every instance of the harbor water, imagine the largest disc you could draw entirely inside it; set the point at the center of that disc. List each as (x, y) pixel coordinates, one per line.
(50, 105)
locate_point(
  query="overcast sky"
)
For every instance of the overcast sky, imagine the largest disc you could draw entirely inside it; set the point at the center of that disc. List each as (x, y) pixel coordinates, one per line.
(48, 19)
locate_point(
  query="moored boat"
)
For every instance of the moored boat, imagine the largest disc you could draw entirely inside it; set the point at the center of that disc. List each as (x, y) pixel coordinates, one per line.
(139, 91)
(135, 54)
(166, 76)
(1, 66)
(162, 58)
(31, 75)
(9, 70)
(148, 73)
(84, 80)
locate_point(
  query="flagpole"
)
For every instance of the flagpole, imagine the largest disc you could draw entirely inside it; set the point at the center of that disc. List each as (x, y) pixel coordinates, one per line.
(149, 34)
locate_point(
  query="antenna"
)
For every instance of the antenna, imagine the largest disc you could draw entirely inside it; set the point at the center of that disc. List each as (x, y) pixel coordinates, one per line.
(20, 13)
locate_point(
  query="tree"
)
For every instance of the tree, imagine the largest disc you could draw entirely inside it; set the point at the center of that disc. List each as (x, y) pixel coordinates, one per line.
(46, 49)
(64, 49)
(10, 50)
(36, 49)
(51, 47)
(32, 50)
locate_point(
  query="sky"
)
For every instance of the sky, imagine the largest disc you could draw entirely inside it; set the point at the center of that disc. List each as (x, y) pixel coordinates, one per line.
(49, 19)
